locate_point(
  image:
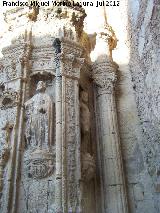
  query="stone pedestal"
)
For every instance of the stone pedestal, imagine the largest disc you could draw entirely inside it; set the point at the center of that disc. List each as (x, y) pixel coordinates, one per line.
(109, 151)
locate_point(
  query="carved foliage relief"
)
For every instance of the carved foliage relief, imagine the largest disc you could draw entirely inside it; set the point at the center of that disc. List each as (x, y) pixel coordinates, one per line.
(72, 140)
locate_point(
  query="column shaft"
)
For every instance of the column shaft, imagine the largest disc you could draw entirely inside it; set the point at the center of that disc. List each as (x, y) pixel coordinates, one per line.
(111, 165)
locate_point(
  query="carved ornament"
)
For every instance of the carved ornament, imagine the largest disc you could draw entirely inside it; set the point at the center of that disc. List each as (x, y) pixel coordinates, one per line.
(70, 64)
(104, 75)
(40, 164)
(8, 99)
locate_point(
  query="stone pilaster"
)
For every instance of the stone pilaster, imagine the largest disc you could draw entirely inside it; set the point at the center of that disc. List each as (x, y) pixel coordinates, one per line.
(109, 151)
(68, 167)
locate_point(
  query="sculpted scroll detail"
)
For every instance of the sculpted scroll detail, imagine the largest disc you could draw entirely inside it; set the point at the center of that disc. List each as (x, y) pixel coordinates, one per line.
(39, 133)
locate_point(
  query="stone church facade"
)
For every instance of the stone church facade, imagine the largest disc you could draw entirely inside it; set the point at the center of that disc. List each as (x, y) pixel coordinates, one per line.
(79, 109)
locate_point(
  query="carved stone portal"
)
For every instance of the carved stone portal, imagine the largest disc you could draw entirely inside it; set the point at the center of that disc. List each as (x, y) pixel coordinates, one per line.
(65, 157)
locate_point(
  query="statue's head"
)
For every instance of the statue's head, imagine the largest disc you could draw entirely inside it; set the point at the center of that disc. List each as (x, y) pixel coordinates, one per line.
(41, 86)
(84, 96)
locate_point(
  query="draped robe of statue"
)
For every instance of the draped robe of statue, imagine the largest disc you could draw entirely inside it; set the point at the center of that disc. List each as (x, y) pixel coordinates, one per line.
(39, 111)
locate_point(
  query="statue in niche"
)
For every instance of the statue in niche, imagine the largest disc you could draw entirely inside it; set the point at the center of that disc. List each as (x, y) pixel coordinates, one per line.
(39, 133)
(39, 111)
(85, 120)
(88, 162)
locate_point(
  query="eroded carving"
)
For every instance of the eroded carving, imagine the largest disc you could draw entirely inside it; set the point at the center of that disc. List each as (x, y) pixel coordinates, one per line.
(104, 75)
(109, 37)
(5, 152)
(4, 156)
(88, 167)
(2, 87)
(9, 98)
(40, 164)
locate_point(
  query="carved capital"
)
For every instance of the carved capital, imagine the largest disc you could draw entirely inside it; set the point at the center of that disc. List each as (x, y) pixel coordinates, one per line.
(104, 75)
(68, 61)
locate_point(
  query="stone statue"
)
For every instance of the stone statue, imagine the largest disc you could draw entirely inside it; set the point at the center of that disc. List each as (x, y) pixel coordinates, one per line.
(39, 111)
(85, 120)
(88, 167)
(88, 162)
(39, 130)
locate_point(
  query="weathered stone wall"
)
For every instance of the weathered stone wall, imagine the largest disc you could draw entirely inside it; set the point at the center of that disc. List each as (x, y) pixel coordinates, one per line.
(144, 25)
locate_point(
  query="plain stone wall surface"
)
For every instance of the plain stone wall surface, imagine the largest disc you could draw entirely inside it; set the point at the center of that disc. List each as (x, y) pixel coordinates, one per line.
(144, 29)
